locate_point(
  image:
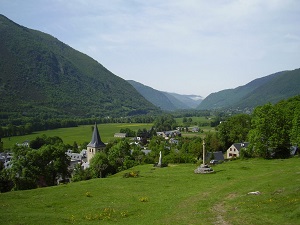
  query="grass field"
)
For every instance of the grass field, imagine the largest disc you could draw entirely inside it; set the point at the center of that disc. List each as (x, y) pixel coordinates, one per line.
(83, 133)
(170, 195)
(79, 134)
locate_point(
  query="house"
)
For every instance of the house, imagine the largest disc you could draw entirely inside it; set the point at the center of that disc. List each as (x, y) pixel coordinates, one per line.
(194, 129)
(169, 134)
(294, 150)
(218, 156)
(173, 141)
(234, 150)
(24, 144)
(120, 135)
(5, 159)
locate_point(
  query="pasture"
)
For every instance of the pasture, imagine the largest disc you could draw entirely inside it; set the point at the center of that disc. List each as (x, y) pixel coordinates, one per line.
(79, 134)
(170, 195)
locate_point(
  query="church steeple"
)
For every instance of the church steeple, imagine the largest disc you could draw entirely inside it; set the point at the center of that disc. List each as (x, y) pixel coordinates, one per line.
(95, 145)
(96, 140)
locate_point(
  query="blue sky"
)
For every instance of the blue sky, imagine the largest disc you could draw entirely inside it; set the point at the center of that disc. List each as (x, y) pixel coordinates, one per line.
(182, 46)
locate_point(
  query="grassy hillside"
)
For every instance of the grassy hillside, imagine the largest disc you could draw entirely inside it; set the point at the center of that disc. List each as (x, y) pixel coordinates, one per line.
(41, 76)
(171, 195)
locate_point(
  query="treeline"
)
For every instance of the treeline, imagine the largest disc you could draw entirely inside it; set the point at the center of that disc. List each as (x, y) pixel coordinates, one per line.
(21, 124)
(22, 127)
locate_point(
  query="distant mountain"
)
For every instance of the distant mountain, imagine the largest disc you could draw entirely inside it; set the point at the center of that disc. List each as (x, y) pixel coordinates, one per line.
(271, 88)
(165, 100)
(41, 76)
(190, 101)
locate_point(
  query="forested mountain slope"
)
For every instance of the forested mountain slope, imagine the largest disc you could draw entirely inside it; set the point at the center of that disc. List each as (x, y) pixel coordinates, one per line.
(41, 76)
(271, 88)
(284, 86)
(165, 100)
(156, 97)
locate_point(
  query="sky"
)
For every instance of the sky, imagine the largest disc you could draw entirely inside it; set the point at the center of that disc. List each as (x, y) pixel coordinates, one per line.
(181, 46)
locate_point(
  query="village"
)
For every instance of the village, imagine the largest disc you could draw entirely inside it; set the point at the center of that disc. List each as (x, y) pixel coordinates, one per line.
(84, 157)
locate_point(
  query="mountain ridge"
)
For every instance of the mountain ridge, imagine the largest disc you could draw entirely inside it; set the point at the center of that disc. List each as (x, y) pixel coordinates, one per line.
(41, 75)
(254, 93)
(167, 101)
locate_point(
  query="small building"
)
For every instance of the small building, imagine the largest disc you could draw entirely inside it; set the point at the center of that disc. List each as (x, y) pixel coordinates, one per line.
(294, 150)
(173, 141)
(218, 156)
(120, 135)
(24, 144)
(234, 150)
(5, 159)
(169, 134)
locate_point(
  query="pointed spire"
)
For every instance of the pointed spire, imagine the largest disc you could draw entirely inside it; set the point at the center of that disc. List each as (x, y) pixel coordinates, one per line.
(96, 140)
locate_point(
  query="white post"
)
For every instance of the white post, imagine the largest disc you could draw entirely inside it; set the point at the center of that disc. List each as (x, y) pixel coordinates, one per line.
(203, 152)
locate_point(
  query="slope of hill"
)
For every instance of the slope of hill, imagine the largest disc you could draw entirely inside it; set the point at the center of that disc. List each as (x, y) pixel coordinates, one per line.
(165, 100)
(39, 75)
(156, 97)
(271, 88)
(189, 101)
(172, 195)
(283, 86)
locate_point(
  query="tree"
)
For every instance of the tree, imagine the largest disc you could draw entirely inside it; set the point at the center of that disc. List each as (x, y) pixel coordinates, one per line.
(33, 168)
(99, 164)
(269, 136)
(235, 129)
(117, 155)
(295, 131)
(165, 122)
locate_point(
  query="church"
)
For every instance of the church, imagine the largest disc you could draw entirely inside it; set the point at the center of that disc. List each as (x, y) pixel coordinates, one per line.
(95, 145)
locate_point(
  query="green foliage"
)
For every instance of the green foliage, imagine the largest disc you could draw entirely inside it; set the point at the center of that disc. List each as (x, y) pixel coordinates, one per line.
(79, 174)
(234, 130)
(99, 163)
(128, 131)
(165, 123)
(246, 153)
(273, 128)
(40, 167)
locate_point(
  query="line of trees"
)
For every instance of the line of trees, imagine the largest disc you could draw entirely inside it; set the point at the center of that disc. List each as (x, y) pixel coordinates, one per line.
(20, 127)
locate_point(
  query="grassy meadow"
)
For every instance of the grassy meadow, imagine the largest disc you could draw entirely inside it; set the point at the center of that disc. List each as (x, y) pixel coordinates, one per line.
(79, 134)
(170, 195)
(83, 133)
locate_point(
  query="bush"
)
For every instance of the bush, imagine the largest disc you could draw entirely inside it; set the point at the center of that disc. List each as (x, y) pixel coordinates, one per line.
(131, 174)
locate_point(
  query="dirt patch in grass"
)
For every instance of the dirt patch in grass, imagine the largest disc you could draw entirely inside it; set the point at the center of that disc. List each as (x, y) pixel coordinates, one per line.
(219, 213)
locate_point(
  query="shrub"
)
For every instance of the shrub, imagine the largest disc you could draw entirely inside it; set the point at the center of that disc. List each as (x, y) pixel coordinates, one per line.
(131, 174)
(144, 199)
(88, 194)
